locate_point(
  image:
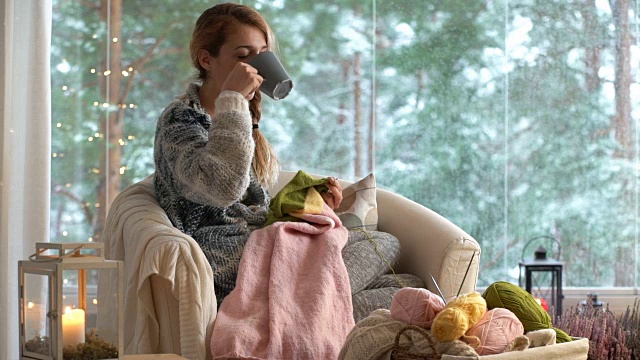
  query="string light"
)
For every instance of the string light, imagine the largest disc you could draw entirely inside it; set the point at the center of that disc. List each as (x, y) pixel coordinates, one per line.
(122, 170)
(107, 72)
(67, 185)
(95, 36)
(54, 155)
(131, 137)
(125, 73)
(90, 239)
(121, 142)
(65, 233)
(97, 205)
(93, 71)
(119, 106)
(64, 87)
(58, 124)
(115, 39)
(95, 171)
(90, 138)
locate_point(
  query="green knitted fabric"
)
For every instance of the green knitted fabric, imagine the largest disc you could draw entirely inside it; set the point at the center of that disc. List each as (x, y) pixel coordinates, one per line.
(293, 197)
(502, 294)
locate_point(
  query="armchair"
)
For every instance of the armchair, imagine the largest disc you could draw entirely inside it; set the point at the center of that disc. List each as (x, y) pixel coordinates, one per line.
(170, 305)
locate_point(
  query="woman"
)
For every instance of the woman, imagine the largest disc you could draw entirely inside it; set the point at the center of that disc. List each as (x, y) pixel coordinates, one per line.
(212, 162)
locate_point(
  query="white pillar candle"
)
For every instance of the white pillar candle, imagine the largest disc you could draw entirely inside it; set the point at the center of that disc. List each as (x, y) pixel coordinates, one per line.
(72, 326)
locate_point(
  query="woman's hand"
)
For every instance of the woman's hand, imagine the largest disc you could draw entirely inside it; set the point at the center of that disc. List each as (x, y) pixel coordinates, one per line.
(333, 195)
(243, 79)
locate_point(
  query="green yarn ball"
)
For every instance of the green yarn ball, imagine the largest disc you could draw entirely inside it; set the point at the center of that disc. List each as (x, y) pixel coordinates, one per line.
(502, 294)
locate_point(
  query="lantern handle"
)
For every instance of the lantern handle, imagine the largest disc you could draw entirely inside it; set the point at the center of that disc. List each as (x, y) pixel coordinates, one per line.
(539, 238)
(34, 257)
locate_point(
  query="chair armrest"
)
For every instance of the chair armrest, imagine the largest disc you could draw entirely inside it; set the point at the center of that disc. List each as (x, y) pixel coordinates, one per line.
(169, 298)
(429, 243)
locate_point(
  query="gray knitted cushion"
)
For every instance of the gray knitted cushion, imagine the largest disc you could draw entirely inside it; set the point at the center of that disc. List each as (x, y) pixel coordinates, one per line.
(368, 257)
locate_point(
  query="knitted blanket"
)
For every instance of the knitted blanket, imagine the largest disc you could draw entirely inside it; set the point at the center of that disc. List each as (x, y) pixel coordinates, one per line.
(138, 232)
(292, 298)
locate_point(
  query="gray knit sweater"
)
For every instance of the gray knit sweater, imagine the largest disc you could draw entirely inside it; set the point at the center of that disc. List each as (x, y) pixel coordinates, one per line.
(204, 180)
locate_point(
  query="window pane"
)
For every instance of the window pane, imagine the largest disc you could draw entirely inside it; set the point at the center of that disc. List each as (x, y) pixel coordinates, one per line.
(515, 120)
(324, 125)
(441, 99)
(571, 156)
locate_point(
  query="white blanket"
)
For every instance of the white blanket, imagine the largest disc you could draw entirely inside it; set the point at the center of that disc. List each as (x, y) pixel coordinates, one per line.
(139, 233)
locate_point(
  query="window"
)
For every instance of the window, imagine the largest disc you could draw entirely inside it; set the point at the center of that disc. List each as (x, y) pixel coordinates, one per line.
(512, 119)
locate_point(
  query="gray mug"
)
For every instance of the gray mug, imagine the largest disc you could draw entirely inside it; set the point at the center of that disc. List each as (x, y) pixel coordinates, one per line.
(277, 84)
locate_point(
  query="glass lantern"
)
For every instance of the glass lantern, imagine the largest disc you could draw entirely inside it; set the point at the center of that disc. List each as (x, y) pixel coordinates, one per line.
(60, 315)
(550, 271)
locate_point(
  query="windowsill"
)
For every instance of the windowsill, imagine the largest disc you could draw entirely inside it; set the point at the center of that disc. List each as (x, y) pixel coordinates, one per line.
(618, 299)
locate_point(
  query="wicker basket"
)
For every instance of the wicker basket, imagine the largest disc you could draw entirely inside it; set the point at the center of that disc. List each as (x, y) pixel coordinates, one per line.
(400, 352)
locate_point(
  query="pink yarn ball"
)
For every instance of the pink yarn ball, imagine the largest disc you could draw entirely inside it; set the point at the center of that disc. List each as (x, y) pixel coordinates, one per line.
(416, 306)
(494, 331)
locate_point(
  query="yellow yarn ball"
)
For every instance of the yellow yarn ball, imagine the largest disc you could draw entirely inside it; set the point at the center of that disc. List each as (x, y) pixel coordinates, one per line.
(458, 316)
(450, 324)
(473, 304)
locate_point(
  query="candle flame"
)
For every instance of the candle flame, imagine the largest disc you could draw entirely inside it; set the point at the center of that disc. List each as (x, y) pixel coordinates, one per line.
(67, 310)
(30, 305)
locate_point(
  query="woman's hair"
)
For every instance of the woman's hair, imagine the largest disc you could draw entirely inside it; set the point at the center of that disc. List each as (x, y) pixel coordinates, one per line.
(210, 33)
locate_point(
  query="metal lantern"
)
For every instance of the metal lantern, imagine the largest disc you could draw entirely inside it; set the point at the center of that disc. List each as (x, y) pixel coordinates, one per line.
(591, 302)
(551, 269)
(59, 309)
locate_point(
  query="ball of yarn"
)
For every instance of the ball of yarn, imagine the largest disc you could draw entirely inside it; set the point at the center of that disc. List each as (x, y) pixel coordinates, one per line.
(450, 324)
(494, 331)
(502, 294)
(458, 316)
(416, 306)
(473, 304)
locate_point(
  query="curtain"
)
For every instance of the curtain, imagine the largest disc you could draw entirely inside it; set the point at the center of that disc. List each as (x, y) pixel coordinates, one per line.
(25, 145)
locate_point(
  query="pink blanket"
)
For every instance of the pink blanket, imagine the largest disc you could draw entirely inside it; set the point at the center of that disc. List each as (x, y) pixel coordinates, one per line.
(292, 298)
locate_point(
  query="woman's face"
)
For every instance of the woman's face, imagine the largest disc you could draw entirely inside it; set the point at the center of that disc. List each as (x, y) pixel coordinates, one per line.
(243, 43)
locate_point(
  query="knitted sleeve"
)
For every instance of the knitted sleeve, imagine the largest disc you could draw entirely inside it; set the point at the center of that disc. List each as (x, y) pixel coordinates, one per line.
(206, 166)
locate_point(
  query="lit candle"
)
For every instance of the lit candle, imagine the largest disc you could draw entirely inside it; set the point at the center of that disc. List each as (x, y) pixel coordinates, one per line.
(72, 326)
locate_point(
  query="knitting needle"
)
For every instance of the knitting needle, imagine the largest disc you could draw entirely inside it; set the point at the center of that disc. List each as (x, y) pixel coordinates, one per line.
(466, 272)
(438, 288)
